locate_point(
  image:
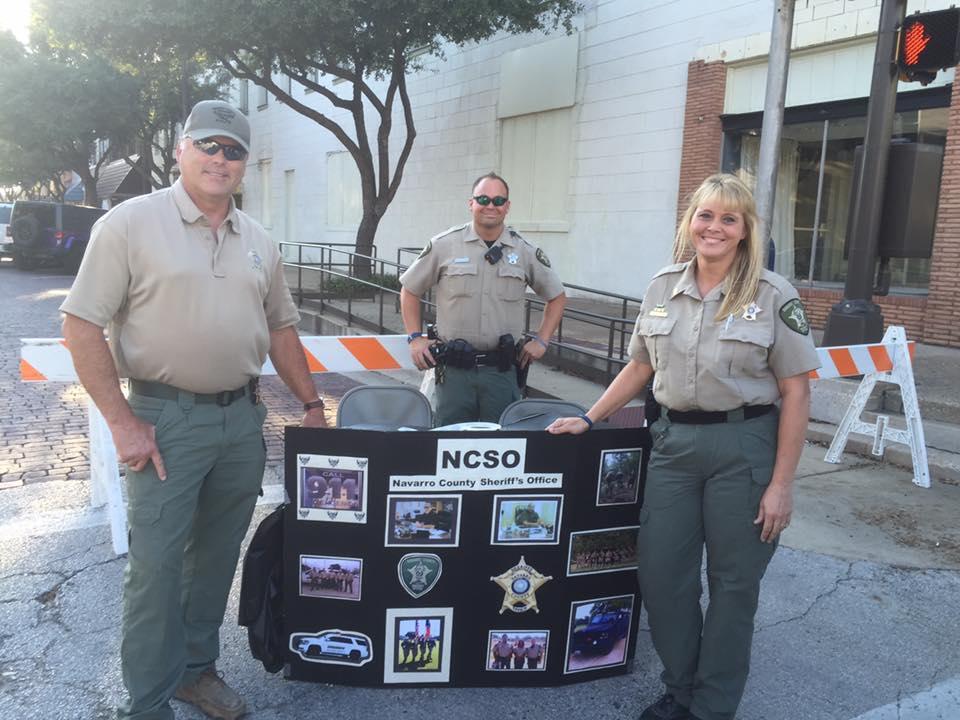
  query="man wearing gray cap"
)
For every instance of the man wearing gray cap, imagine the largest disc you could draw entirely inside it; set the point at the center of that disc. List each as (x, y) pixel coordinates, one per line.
(193, 295)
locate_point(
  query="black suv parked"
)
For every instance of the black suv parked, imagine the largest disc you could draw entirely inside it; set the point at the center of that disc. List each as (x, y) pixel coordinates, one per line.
(50, 231)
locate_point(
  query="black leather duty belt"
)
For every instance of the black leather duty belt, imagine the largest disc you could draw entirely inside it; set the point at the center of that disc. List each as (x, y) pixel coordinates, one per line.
(704, 417)
(163, 391)
(490, 358)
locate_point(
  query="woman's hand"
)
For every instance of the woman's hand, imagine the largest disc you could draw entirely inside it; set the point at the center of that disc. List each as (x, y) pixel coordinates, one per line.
(568, 425)
(776, 508)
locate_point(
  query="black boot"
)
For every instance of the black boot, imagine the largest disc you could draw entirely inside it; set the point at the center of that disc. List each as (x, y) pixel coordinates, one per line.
(666, 708)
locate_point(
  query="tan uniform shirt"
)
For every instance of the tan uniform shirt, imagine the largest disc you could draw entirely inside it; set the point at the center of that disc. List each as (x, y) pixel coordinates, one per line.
(702, 364)
(478, 301)
(184, 305)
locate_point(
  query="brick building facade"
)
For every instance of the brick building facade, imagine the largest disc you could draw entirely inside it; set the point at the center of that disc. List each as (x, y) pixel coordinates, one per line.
(932, 318)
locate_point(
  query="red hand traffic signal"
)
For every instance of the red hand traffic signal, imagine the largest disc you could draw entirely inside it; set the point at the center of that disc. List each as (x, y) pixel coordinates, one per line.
(928, 43)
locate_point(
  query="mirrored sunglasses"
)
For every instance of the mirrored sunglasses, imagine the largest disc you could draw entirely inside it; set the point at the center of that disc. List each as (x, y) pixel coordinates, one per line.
(212, 147)
(498, 201)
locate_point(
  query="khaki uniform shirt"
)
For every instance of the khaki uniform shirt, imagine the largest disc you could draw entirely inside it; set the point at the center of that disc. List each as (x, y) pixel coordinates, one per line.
(478, 301)
(702, 364)
(183, 305)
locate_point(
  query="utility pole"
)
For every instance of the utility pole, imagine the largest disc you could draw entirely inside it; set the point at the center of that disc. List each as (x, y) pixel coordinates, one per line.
(773, 104)
(857, 319)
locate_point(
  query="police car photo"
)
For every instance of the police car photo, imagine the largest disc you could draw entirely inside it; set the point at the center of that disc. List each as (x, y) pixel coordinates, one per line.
(337, 647)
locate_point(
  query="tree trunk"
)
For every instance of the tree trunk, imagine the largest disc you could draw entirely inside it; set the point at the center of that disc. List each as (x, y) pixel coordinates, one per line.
(89, 187)
(361, 267)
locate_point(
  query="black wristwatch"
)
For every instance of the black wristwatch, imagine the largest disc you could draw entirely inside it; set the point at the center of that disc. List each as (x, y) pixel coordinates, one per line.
(413, 336)
(313, 405)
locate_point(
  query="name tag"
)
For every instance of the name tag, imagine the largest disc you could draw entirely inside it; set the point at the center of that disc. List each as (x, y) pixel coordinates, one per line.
(461, 260)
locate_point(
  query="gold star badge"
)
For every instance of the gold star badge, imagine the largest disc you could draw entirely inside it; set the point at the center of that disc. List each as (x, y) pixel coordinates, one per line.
(520, 585)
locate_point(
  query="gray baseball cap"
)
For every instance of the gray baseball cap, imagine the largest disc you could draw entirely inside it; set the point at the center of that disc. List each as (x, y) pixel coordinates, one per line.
(215, 117)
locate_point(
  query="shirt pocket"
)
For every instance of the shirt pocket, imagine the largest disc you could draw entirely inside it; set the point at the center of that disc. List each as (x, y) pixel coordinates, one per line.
(511, 282)
(459, 279)
(655, 333)
(743, 348)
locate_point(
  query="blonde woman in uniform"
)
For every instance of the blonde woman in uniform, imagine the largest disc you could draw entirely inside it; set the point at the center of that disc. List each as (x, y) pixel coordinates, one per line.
(727, 341)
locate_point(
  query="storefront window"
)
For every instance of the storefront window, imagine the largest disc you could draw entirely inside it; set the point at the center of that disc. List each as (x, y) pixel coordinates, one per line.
(814, 182)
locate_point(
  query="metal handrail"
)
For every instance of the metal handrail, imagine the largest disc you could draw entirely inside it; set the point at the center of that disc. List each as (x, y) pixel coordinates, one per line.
(618, 327)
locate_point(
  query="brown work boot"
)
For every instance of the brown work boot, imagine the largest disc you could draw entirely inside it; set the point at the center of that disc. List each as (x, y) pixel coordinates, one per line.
(213, 696)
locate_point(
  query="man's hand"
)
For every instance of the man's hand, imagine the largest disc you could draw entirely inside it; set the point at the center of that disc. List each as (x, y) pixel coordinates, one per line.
(420, 353)
(532, 350)
(315, 418)
(136, 445)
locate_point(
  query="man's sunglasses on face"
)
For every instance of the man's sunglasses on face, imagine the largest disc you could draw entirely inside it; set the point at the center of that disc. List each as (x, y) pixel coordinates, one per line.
(498, 201)
(212, 147)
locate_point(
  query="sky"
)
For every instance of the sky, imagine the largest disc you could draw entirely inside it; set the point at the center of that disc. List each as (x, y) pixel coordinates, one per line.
(15, 16)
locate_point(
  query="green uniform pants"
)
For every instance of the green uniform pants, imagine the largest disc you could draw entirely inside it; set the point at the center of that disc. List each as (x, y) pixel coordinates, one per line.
(185, 535)
(480, 393)
(704, 484)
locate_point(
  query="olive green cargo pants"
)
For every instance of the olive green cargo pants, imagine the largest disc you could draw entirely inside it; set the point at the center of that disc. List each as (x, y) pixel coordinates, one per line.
(480, 393)
(704, 484)
(185, 534)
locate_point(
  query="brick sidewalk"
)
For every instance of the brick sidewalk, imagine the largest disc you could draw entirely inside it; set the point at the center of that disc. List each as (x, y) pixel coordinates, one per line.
(43, 426)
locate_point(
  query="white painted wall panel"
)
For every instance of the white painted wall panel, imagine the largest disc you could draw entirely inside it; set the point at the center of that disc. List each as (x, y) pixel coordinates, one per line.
(624, 134)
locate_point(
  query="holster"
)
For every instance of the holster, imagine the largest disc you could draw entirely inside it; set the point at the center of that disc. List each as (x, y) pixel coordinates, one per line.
(460, 354)
(506, 353)
(522, 372)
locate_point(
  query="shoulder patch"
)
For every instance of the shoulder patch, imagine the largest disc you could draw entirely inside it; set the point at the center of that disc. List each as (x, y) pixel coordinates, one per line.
(542, 257)
(426, 249)
(793, 316)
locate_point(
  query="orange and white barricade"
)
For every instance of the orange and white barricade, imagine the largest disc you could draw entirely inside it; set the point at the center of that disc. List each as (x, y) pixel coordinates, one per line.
(890, 360)
(48, 360)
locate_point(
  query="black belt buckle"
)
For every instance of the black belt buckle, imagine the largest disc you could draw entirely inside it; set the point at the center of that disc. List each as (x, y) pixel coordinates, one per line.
(254, 387)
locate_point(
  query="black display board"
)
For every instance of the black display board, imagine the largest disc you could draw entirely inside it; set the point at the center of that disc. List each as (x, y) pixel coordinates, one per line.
(449, 512)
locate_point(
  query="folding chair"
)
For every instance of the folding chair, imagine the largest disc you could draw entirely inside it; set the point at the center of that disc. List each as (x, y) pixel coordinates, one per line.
(536, 414)
(384, 407)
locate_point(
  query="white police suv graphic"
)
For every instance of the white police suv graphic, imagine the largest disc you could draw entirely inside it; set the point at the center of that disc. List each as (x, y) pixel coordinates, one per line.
(334, 647)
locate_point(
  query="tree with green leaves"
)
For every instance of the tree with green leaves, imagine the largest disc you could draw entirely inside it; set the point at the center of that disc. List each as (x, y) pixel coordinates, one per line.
(53, 112)
(353, 53)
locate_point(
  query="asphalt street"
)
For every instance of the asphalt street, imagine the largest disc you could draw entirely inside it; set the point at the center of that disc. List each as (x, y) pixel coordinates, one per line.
(838, 637)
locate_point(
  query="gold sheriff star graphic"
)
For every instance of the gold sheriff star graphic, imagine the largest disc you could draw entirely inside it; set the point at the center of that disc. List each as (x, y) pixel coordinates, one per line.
(520, 585)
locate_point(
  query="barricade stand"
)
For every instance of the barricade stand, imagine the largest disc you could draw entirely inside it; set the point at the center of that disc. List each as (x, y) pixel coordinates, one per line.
(890, 361)
(48, 360)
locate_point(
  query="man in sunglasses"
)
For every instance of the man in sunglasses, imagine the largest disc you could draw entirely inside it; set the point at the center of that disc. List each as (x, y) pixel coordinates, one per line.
(481, 271)
(193, 293)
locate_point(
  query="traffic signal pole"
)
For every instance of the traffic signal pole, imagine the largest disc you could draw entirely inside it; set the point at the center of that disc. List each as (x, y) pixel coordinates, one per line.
(857, 319)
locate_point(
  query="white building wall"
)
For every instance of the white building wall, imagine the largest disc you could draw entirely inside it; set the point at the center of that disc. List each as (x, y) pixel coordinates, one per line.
(625, 143)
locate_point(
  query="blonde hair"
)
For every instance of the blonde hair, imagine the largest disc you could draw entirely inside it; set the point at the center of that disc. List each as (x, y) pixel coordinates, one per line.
(743, 278)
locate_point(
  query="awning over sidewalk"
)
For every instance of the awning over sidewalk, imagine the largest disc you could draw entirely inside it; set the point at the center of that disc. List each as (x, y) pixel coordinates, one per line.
(111, 182)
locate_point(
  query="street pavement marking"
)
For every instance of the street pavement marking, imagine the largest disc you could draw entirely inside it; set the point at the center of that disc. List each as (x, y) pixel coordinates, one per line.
(58, 521)
(941, 702)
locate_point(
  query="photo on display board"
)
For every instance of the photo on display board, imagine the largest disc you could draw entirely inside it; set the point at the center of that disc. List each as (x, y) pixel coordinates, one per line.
(332, 488)
(517, 650)
(418, 645)
(337, 578)
(599, 633)
(618, 482)
(526, 519)
(423, 521)
(333, 647)
(603, 551)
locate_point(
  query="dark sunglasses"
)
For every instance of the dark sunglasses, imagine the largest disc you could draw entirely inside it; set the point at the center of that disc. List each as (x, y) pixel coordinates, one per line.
(212, 147)
(498, 201)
